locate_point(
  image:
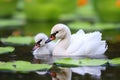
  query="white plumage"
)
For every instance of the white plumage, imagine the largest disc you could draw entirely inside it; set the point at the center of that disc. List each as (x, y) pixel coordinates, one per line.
(80, 43)
(42, 49)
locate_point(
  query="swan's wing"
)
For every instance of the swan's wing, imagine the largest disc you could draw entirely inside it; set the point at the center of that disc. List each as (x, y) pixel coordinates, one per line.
(98, 47)
(76, 41)
(92, 44)
(94, 36)
(77, 34)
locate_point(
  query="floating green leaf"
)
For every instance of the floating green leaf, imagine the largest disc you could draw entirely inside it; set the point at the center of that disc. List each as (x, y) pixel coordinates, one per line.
(23, 66)
(104, 26)
(80, 62)
(92, 62)
(80, 25)
(12, 22)
(68, 62)
(6, 49)
(26, 40)
(115, 61)
(97, 26)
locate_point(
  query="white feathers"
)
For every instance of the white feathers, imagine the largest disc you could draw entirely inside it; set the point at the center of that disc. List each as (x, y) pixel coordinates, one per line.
(77, 44)
(44, 49)
(80, 43)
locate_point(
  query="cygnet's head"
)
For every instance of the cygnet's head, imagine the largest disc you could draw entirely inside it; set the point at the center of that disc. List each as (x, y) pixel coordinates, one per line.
(59, 31)
(40, 39)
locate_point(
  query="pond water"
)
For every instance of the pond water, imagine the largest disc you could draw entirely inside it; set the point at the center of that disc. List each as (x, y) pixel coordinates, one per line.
(25, 53)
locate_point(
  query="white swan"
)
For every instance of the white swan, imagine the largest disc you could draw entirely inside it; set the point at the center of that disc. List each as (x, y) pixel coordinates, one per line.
(41, 49)
(76, 44)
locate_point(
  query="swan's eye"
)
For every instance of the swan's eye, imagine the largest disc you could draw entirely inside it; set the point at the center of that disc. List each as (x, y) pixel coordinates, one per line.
(39, 41)
(54, 33)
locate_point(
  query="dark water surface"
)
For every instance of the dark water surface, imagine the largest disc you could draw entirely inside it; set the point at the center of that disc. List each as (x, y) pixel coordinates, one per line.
(25, 53)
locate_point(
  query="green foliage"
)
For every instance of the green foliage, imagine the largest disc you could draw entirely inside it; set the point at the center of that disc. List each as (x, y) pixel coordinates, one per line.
(10, 22)
(86, 11)
(115, 61)
(22, 66)
(92, 62)
(95, 26)
(67, 62)
(107, 10)
(81, 62)
(47, 10)
(20, 40)
(35, 28)
(80, 25)
(7, 7)
(6, 49)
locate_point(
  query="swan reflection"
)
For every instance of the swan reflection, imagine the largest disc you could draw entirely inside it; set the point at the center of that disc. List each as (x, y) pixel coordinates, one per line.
(66, 73)
(58, 73)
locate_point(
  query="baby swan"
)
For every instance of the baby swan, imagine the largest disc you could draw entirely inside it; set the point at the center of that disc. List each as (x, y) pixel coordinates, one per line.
(41, 49)
(80, 43)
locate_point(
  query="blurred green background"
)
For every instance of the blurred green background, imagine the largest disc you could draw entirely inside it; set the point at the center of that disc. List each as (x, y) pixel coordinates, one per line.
(29, 17)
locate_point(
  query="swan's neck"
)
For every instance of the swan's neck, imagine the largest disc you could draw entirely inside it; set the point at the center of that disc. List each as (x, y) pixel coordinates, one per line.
(62, 45)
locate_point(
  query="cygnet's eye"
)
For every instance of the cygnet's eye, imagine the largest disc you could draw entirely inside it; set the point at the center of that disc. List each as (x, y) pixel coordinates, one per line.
(40, 40)
(57, 32)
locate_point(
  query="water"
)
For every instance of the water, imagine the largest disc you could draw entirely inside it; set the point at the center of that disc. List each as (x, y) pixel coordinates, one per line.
(25, 53)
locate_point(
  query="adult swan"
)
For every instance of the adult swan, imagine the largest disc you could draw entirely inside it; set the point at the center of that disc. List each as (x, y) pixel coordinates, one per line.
(78, 44)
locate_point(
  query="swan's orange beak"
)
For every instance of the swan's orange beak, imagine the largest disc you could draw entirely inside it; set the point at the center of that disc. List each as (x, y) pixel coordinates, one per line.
(52, 37)
(36, 46)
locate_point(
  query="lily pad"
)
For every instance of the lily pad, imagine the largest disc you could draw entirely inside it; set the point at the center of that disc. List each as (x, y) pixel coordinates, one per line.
(23, 66)
(67, 62)
(104, 26)
(97, 26)
(20, 40)
(81, 62)
(80, 25)
(10, 22)
(115, 61)
(6, 49)
(92, 62)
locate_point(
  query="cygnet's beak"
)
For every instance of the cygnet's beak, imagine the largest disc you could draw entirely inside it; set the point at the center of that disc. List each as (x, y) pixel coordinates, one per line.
(36, 46)
(52, 37)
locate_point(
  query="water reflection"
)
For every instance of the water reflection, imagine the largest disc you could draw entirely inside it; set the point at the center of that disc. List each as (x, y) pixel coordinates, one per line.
(58, 73)
(66, 73)
(95, 72)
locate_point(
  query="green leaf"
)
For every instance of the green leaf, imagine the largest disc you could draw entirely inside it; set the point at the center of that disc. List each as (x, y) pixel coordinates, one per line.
(80, 62)
(97, 26)
(18, 40)
(115, 61)
(10, 22)
(6, 49)
(104, 26)
(92, 62)
(80, 25)
(67, 62)
(23, 66)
